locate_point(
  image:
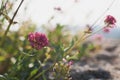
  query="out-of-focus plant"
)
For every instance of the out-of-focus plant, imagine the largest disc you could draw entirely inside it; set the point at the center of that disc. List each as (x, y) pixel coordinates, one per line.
(29, 55)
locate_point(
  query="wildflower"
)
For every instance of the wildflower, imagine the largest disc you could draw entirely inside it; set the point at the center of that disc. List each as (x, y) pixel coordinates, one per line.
(110, 20)
(70, 63)
(98, 37)
(110, 23)
(57, 8)
(106, 29)
(38, 40)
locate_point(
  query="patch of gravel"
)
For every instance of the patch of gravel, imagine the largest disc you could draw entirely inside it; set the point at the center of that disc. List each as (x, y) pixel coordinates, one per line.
(103, 65)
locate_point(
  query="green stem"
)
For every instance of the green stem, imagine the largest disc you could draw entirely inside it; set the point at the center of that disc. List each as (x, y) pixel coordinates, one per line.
(10, 23)
(77, 42)
(40, 74)
(103, 13)
(95, 32)
(82, 39)
(30, 77)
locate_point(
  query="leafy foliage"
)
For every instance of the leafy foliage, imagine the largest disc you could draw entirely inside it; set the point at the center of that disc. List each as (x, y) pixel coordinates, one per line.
(19, 61)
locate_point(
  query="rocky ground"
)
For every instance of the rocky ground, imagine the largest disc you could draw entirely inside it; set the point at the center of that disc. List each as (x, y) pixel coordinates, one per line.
(103, 65)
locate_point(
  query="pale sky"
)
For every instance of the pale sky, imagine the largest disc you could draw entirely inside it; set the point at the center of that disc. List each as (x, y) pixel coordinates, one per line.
(74, 14)
(85, 11)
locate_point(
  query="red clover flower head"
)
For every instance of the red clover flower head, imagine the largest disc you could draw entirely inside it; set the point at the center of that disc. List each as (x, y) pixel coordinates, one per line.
(110, 20)
(38, 40)
(110, 23)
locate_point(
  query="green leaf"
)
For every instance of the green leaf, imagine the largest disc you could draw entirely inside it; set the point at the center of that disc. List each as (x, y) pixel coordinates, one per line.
(2, 58)
(33, 72)
(2, 77)
(83, 50)
(6, 17)
(74, 57)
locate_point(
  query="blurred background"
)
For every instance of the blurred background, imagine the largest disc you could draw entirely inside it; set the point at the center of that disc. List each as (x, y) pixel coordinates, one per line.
(63, 21)
(75, 14)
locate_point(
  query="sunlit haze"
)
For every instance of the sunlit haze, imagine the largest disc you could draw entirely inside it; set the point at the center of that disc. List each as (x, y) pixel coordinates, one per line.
(73, 12)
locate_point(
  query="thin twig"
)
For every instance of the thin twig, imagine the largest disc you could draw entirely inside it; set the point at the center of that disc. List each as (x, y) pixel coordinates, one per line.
(82, 38)
(77, 42)
(37, 76)
(93, 33)
(10, 23)
(108, 8)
